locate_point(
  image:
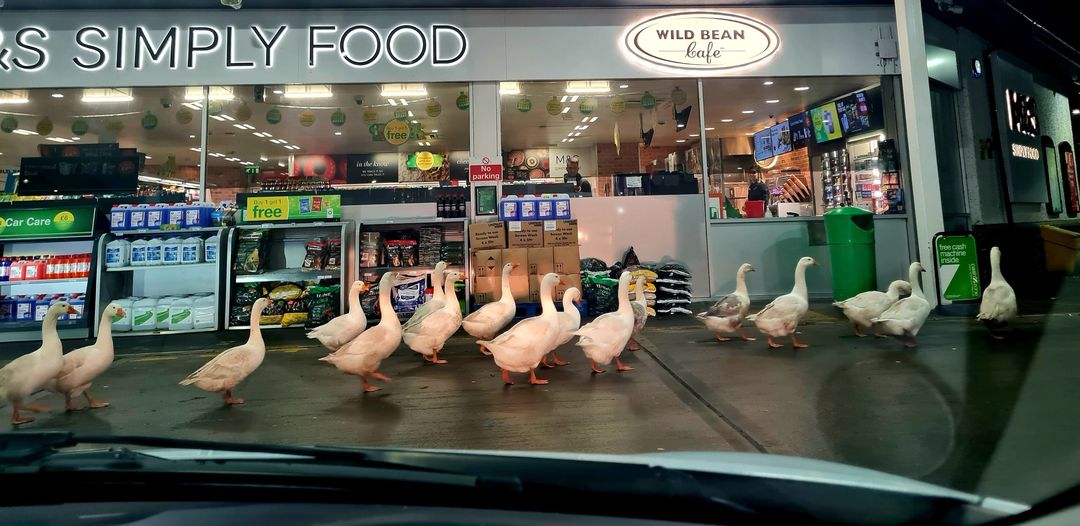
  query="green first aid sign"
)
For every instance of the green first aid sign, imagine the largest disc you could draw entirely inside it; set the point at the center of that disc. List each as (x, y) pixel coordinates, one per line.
(31, 223)
(292, 208)
(958, 267)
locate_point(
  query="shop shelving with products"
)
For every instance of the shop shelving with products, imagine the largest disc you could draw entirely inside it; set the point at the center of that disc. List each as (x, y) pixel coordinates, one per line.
(283, 262)
(47, 253)
(836, 179)
(866, 177)
(123, 281)
(374, 258)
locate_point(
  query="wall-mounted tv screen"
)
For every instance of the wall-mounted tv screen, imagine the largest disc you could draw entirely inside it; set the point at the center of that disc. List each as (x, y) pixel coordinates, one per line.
(780, 136)
(826, 123)
(799, 126)
(860, 112)
(763, 145)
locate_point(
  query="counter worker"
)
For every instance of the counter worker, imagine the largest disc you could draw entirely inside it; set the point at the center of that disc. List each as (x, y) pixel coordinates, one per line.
(581, 185)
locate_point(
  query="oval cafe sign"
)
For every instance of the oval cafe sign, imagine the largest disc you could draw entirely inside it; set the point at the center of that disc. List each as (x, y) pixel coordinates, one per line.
(701, 41)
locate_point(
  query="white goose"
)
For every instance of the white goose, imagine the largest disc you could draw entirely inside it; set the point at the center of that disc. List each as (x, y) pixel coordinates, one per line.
(24, 375)
(363, 355)
(781, 317)
(640, 304)
(998, 305)
(429, 335)
(84, 364)
(569, 321)
(437, 298)
(521, 348)
(605, 337)
(905, 317)
(342, 329)
(225, 371)
(727, 314)
(488, 320)
(865, 306)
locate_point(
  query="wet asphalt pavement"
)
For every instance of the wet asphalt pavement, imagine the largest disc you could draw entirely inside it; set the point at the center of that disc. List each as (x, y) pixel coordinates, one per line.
(961, 410)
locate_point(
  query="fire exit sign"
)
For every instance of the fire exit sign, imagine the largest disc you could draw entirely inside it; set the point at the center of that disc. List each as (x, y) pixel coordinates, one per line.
(251, 170)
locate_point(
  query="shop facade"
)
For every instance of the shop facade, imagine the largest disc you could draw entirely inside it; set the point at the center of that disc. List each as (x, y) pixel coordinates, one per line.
(672, 117)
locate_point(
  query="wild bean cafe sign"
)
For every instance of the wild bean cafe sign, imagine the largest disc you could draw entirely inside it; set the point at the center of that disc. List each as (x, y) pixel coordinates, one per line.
(701, 41)
(33, 223)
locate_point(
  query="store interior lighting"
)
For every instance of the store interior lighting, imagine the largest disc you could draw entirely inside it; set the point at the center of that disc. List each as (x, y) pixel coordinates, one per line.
(588, 86)
(509, 88)
(403, 90)
(194, 93)
(308, 91)
(107, 95)
(16, 96)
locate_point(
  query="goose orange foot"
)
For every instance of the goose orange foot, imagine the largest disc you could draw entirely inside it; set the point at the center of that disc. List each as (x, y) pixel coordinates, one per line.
(534, 380)
(506, 377)
(745, 337)
(555, 360)
(596, 369)
(230, 400)
(621, 367)
(773, 344)
(797, 344)
(368, 388)
(94, 404)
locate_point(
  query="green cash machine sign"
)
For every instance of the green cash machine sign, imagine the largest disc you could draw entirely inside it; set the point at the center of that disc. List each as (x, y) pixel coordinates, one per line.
(29, 223)
(958, 267)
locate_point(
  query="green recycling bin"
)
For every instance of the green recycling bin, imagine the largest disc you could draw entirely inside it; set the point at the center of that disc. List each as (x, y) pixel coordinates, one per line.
(850, 233)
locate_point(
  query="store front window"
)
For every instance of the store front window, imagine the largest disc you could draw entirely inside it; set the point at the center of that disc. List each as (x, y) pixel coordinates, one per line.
(793, 147)
(152, 132)
(305, 137)
(601, 138)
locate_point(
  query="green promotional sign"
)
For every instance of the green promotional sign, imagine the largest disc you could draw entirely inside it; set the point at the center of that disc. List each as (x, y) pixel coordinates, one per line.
(292, 208)
(958, 267)
(29, 223)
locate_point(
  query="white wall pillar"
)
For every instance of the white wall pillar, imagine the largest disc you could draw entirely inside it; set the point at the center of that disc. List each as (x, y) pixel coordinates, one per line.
(919, 124)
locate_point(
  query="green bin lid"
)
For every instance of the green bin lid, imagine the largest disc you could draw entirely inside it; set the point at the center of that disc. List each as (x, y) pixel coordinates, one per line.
(849, 225)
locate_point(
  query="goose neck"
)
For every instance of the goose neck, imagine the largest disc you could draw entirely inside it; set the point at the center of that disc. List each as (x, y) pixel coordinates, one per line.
(740, 282)
(800, 281)
(916, 288)
(386, 308)
(624, 297)
(506, 296)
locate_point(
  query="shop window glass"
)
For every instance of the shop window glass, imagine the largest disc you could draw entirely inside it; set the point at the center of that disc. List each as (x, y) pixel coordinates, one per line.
(635, 137)
(160, 126)
(300, 137)
(790, 147)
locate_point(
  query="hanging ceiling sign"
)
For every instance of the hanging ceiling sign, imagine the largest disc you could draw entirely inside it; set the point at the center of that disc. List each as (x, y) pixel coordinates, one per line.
(701, 41)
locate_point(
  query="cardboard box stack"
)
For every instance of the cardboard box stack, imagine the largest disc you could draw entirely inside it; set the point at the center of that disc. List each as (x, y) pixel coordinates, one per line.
(538, 247)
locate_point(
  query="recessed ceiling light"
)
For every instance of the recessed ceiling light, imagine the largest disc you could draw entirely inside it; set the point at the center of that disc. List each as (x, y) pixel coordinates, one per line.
(278, 92)
(593, 119)
(148, 157)
(57, 95)
(403, 90)
(434, 131)
(749, 133)
(624, 86)
(695, 135)
(414, 121)
(802, 88)
(566, 109)
(191, 136)
(264, 158)
(709, 129)
(564, 98)
(680, 140)
(571, 140)
(1076, 111)
(768, 83)
(726, 120)
(747, 112)
(772, 101)
(337, 133)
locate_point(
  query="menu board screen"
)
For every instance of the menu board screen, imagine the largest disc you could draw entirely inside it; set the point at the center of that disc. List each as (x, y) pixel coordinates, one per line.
(854, 111)
(780, 136)
(826, 123)
(800, 127)
(763, 145)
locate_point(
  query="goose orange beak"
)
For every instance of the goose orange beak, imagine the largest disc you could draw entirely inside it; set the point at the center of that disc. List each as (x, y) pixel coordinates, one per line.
(71, 310)
(121, 313)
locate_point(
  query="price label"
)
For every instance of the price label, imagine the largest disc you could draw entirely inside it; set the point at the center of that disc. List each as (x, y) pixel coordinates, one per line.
(513, 226)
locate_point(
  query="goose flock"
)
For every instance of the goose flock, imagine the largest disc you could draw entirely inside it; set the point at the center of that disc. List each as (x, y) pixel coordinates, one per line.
(358, 350)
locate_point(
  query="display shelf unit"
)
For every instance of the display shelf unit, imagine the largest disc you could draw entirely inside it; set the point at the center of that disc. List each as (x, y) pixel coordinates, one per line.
(115, 283)
(454, 225)
(30, 330)
(286, 248)
(866, 177)
(26, 282)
